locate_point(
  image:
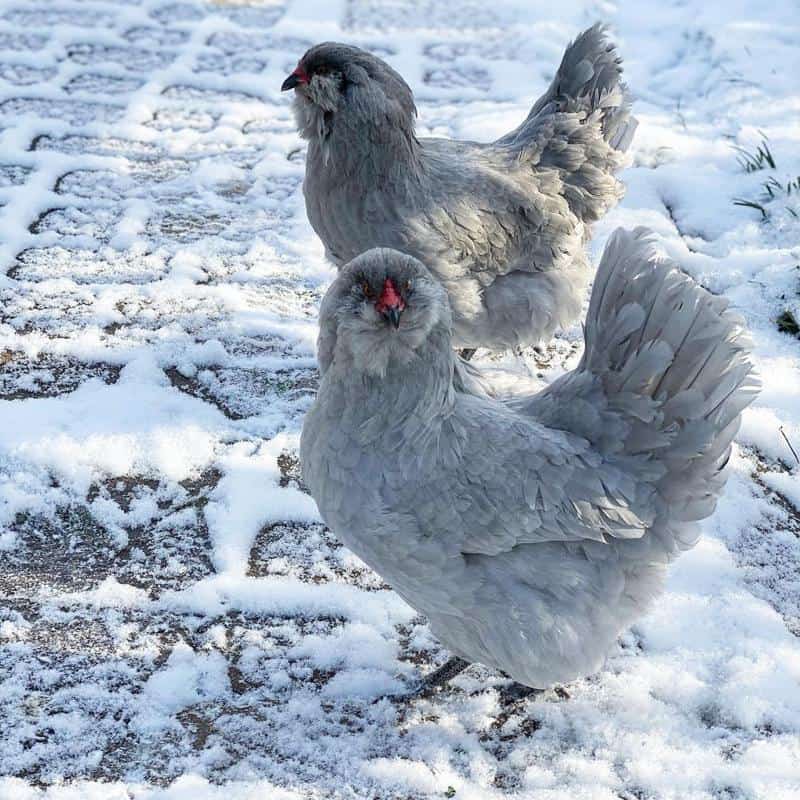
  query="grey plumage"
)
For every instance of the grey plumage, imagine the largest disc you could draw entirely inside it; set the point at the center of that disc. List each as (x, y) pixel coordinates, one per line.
(501, 225)
(532, 535)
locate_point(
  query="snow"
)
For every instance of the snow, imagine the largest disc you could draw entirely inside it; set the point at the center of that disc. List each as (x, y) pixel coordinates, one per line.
(176, 622)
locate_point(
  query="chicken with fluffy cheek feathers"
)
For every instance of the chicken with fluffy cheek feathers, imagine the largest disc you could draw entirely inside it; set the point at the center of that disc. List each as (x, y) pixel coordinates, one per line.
(387, 305)
(501, 225)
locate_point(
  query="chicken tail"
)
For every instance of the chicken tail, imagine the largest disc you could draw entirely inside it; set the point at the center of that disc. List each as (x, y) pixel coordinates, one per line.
(664, 378)
(590, 76)
(581, 126)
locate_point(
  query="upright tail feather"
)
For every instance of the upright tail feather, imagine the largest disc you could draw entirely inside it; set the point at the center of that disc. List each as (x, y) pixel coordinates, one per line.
(581, 126)
(588, 80)
(662, 383)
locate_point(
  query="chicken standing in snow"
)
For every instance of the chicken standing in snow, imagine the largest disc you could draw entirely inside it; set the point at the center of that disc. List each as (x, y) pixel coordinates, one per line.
(501, 225)
(532, 535)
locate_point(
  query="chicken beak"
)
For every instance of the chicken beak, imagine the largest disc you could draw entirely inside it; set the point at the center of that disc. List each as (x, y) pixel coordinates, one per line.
(393, 315)
(290, 83)
(390, 303)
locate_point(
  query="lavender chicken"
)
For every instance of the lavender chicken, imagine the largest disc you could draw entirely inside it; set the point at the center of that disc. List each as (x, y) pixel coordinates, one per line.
(503, 225)
(530, 535)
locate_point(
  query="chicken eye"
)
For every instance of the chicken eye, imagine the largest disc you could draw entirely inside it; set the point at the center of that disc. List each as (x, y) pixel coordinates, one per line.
(365, 287)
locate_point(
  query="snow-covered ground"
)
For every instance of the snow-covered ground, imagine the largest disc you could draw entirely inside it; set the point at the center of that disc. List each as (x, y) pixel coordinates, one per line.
(175, 622)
